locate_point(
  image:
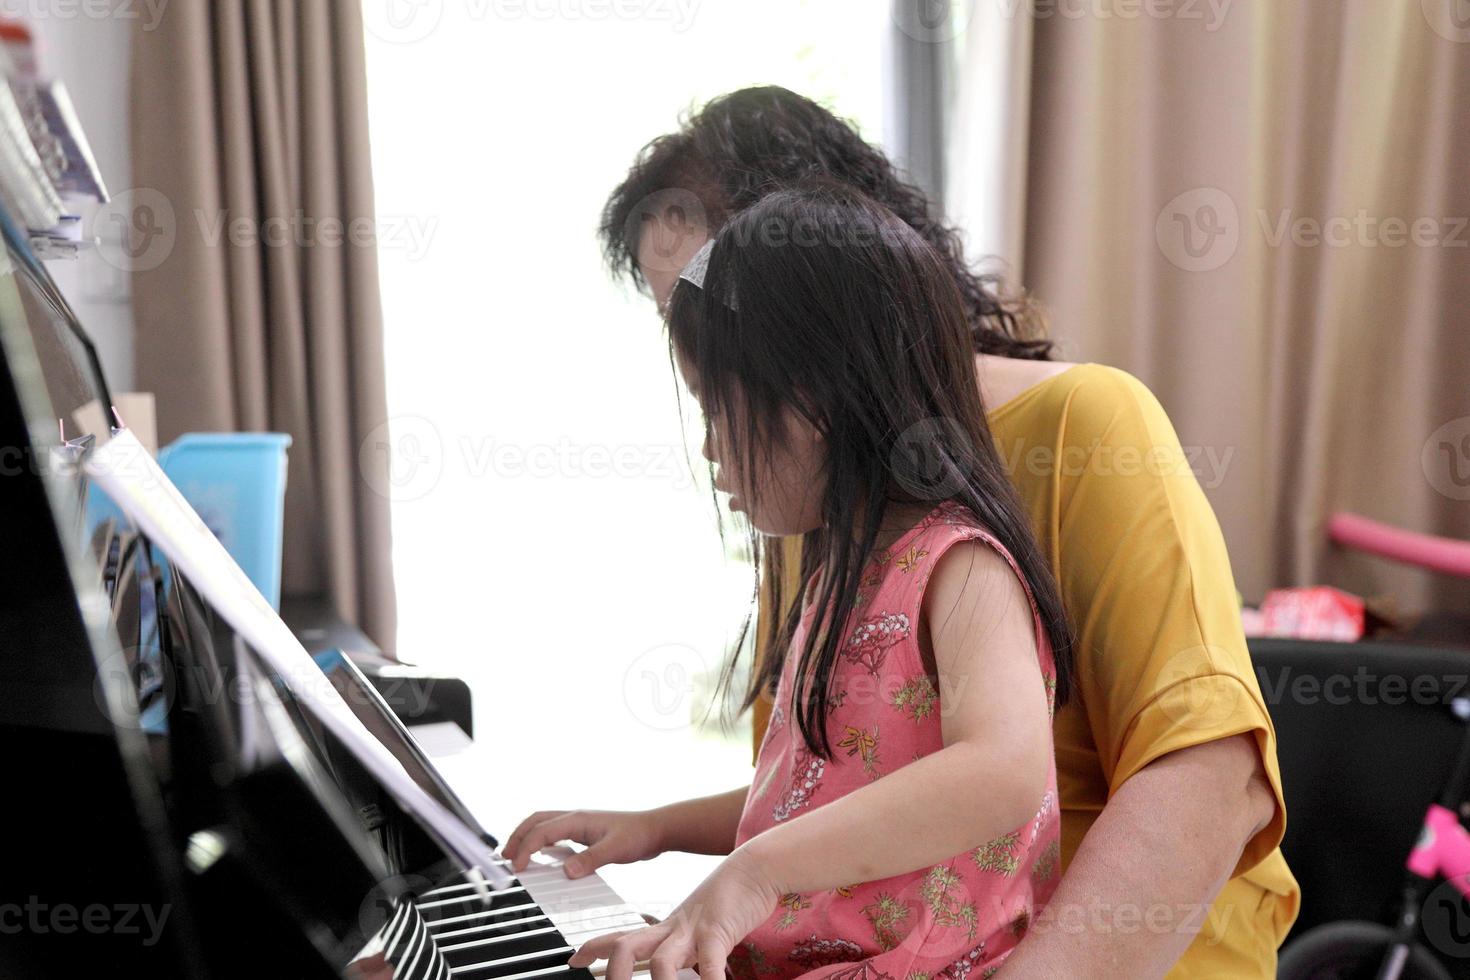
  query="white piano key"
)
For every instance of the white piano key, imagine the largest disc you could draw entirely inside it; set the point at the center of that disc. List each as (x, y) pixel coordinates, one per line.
(455, 900)
(549, 971)
(492, 940)
(489, 926)
(540, 954)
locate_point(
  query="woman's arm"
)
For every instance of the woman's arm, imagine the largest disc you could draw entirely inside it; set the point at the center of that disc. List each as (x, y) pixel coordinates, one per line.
(1142, 883)
(991, 774)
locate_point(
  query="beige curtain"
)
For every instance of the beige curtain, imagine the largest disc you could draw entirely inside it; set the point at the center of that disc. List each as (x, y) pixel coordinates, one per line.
(249, 134)
(1260, 208)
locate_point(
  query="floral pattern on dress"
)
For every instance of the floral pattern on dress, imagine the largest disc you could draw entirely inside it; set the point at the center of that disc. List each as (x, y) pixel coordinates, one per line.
(863, 743)
(999, 856)
(887, 914)
(749, 962)
(960, 968)
(910, 559)
(806, 779)
(916, 698)
(813, 952)
(1047, 862)
(949, 909)
(790, 905)
(862, 970)
(1039, 821)
(869, 644)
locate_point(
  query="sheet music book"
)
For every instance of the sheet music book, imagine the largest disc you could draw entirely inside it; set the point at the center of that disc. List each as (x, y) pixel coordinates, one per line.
(134, 481)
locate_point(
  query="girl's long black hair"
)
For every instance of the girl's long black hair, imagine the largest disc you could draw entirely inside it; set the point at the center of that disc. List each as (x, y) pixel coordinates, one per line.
(727, 155)
(819, 300)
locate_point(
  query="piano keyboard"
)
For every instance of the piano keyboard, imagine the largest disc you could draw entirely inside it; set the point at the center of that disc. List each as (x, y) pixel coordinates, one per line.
(527, 932)
(532, 928)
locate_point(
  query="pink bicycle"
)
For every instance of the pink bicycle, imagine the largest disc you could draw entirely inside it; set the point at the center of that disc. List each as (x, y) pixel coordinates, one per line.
(1351, 950)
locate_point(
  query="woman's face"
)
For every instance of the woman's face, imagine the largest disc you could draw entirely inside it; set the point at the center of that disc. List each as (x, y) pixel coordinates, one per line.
(780, 489)
(663, 251)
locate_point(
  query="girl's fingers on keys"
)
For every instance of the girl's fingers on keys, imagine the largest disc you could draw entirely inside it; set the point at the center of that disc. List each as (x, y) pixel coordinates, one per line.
(711, 956)
(575, 825)
(514, 841)
(634, 951)
(596, 948)
(673, 954)
(624, 951)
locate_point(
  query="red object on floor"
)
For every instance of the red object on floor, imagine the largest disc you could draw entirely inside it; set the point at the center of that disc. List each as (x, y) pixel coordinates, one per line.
(1319, 612)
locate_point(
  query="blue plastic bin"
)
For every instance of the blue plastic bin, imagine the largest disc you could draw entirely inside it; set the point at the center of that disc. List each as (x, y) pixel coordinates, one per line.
(237, 483)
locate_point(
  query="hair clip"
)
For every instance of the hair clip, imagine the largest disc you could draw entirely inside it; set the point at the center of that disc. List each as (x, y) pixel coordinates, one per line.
(695, 269)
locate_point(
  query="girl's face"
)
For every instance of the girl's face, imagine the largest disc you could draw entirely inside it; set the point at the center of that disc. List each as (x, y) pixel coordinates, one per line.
(780, 489)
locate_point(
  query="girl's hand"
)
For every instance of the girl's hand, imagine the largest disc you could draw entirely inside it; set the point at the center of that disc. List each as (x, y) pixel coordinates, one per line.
(738, 895)
(611, 836)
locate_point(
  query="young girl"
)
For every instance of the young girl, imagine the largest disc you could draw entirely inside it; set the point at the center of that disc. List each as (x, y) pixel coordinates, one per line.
(903, 819)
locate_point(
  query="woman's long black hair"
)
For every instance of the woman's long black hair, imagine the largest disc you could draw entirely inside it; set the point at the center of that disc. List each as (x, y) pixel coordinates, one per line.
(730, 153)
(819, 300)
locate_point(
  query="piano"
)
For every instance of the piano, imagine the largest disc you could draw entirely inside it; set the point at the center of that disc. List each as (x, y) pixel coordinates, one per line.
(172, 810)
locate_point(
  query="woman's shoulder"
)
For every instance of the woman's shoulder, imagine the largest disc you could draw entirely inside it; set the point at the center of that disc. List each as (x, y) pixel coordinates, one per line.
(1085, 404)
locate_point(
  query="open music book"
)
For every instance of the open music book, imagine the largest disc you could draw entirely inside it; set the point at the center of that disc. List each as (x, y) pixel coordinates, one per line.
(128, 473)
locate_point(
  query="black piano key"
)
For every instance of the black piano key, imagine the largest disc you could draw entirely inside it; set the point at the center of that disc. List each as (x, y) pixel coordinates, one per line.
(399, 929)
(410, 948)
(446, 911)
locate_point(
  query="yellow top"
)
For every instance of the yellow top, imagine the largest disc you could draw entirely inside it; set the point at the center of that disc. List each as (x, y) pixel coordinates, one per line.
(1161, 659)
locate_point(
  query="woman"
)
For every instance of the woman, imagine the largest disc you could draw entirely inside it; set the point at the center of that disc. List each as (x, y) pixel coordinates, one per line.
(1171, 798)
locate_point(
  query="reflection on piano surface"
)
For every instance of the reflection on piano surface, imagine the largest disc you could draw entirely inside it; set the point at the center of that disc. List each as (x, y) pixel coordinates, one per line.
(160, 772)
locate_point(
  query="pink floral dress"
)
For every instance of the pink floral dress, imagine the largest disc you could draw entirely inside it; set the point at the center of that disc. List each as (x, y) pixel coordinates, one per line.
(949, 921)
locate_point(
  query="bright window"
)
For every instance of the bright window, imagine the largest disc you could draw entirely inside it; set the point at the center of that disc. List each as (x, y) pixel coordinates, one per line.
(550, 545)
